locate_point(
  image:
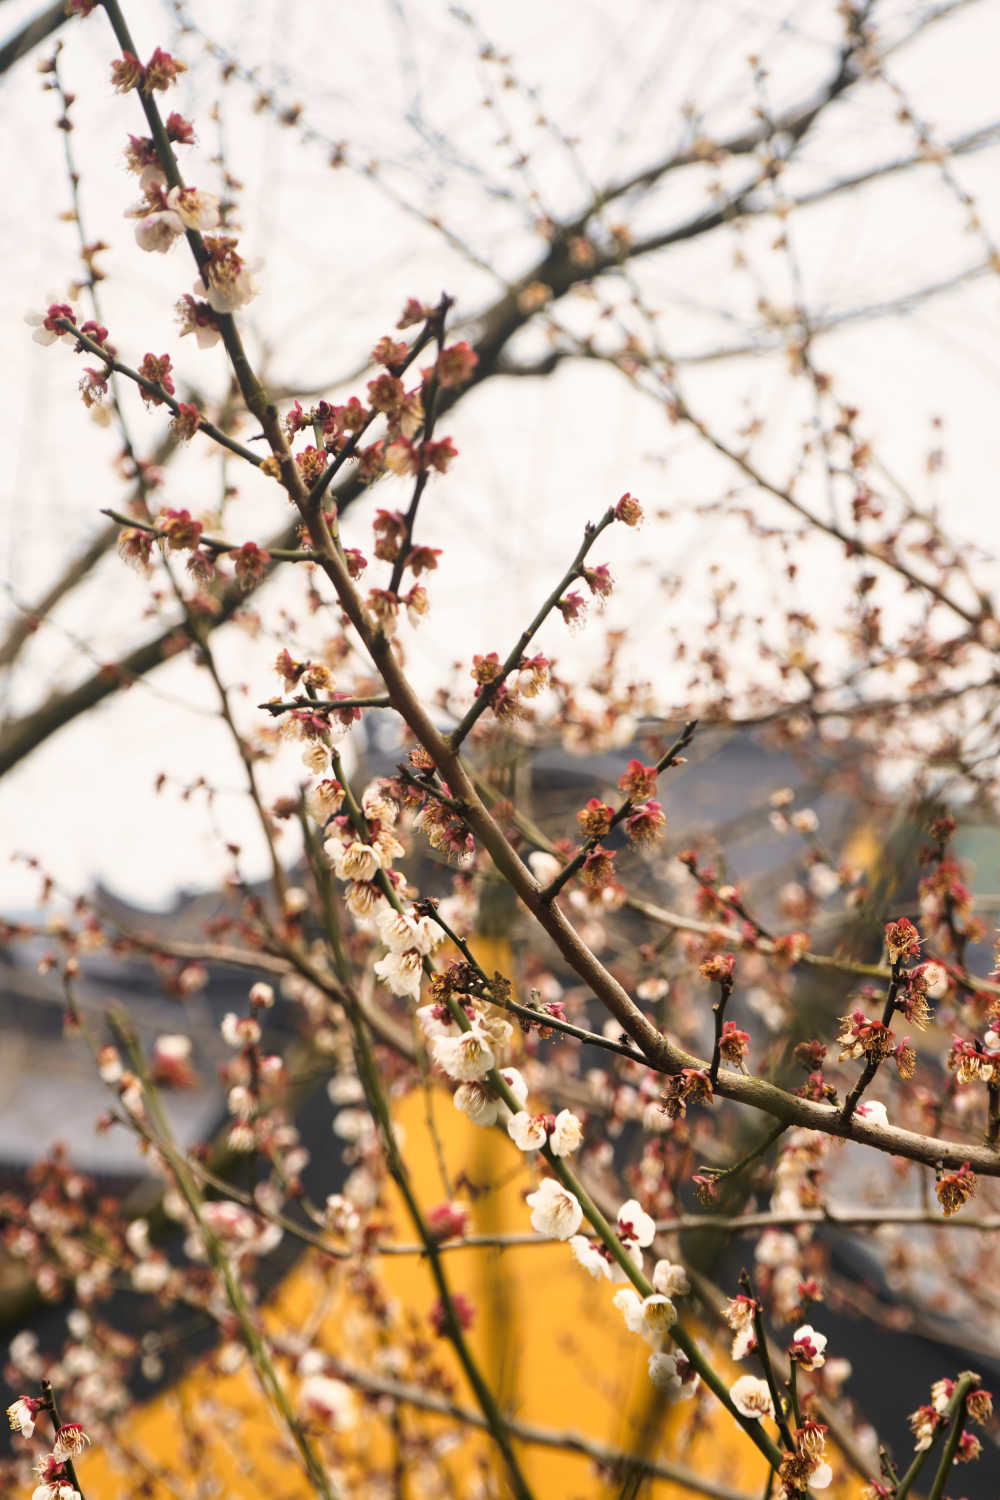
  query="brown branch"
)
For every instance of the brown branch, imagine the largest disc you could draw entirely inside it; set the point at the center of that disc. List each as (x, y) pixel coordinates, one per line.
(527, 1432)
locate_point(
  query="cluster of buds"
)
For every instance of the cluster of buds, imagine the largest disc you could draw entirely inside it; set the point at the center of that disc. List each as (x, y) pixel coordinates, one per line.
(364, 865)
(927, 1420)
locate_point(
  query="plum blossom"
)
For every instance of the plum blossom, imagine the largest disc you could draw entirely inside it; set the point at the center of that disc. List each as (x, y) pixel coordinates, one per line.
(751, 1397)
(554, 1210)
(70, 1441)
(21, 1415)
(527, 1131)
(672, 1374)
(240, 1031)
(635, 1225)
(530, 1132)
(807, 1347)
(400, 931)
(226, 282)
(670, 1279)
(545, 867)
(465, 1057)
(566, 1133)
(44, 324)
(402, 972)
(330, 1401)
(740, 1317)
(483, 1104)
(873, 1111)
(653, 1317)
(594, 1259)
(354, 861)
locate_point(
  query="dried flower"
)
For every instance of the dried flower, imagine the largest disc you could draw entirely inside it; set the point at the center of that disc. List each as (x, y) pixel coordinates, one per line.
(955, 1188)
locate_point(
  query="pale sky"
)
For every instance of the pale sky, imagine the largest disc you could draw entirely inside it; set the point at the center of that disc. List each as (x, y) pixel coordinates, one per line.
(402, 85)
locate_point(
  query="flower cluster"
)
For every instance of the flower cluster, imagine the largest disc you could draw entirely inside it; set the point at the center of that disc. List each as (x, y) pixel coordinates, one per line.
(55, 1471)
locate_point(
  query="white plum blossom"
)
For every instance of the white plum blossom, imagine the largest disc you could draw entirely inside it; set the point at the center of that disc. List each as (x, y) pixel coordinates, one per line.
(935, 977)
(402, 972)
(807, 1347)
(363, 898)
(151, 1276)
(670, 1279)
(400, 931)
(629, 1304)
(355, 861)
(228, 284)
(544, 867)
(59, 1489)
(530, 1132)
(47, 335)
(239, 1031)
(498, 1032)
(652, 1316)
(388, 847)
(593, 1258)
(658, 1316)
(137, 1237)
(527, 1131)
(21, 1415)
(634, 1224)
(156, 232)
(554, 1210)
(751, 1397)
(566, 1133)
(775, 1248)
(375, 804)
(823, 881)
(327, 1400)
(482, 1104)
(673, 1375)
(435, 1021)
(182, 208)
(836, 1373)
(341, 1215)
(464, 1057)
(740, 1317)
(71, 1440)
(873, 1112)
(193, 208)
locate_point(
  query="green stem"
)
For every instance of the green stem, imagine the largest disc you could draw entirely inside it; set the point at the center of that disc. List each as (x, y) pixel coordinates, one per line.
(369, 1074)
(764, 1355)
(260, 1357)
(49, 1396)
